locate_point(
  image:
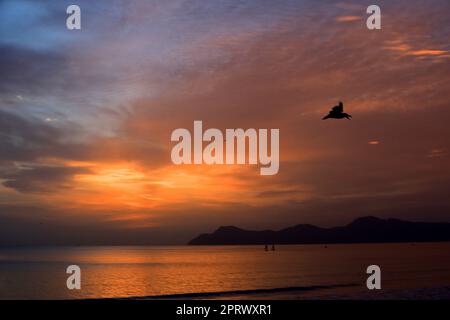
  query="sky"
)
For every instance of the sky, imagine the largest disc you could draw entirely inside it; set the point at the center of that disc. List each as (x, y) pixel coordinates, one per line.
(86, 116)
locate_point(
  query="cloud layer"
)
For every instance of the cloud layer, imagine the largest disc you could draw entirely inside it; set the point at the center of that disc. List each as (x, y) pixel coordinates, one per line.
(86, 118)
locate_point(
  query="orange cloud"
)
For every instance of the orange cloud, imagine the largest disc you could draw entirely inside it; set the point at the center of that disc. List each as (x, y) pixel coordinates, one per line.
(347, 18)
(428, 52)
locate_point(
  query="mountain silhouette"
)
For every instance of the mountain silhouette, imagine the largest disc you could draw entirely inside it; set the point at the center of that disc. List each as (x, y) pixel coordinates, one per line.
(361, 230)
(337, 112)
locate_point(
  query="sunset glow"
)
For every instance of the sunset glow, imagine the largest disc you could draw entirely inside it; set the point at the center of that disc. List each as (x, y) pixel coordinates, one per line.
(86, 117)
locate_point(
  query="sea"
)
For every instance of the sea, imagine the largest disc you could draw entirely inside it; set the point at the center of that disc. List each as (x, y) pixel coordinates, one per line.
(159, 272)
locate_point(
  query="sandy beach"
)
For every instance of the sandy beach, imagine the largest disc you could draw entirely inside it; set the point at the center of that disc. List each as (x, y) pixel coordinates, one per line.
(434, 293)
(346, 292)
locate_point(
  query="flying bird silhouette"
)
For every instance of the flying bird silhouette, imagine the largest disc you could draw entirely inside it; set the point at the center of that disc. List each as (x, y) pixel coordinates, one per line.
(337, 112)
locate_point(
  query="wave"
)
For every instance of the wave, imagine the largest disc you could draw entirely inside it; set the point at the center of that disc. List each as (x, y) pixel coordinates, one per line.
(218, 294)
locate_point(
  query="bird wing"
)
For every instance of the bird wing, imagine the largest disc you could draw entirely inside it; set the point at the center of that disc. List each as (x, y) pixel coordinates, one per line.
(339, 108)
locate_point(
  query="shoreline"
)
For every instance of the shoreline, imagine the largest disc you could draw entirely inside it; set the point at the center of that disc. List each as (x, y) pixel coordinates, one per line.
(306, 293)
(233, 293)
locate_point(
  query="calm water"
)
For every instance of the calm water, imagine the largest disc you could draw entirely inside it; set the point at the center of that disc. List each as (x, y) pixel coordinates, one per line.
(39, 273)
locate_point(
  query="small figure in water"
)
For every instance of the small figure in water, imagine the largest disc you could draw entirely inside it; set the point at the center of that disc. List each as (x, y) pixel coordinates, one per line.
(266, 248)
(273, 247)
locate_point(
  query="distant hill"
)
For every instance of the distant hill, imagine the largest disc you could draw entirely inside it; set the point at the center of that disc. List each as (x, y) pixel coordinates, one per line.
(365, 229)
